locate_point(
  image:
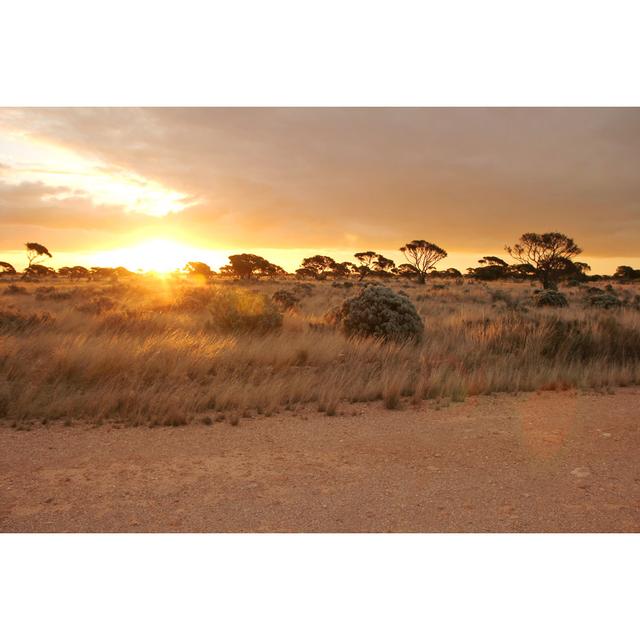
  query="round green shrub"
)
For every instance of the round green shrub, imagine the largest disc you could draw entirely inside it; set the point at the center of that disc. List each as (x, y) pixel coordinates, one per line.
(550, 298)
(380, 312)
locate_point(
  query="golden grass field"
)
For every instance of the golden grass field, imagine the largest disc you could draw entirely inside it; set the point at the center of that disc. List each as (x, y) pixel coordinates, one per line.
(149, 351)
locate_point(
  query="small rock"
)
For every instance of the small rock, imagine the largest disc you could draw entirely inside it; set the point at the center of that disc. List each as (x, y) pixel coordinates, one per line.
(581, 472)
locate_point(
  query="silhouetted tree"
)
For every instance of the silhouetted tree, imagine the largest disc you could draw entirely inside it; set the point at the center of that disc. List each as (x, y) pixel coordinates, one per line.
(521, 271)
(74, 273)
(271, 270)
(451, 272)
(366, 260)
(383, 266)
(38, 271)
(574, 270)
(102, 273)
(7, 269)
(423, 256)
(36, 252)
(546, 253)
(492, 268)
(405, 270)
(247, 265)
(343, 269)
(305, 272)
(123, 272)
(318, 267)
(493, 261)
(372, 263)
(624, 272)
(198, 270)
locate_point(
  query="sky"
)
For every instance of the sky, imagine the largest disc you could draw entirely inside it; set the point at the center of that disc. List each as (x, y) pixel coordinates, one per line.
(154, 188)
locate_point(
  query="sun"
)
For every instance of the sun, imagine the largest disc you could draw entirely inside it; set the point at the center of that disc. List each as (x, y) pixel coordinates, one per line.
(158, 255)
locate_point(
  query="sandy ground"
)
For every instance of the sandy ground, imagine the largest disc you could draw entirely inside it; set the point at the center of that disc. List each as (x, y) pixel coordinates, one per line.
(535, 462)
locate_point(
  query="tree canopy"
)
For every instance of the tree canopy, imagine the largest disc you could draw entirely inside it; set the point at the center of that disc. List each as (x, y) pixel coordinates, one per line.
(547, 254)
(36, 252)
(247, 265)
(7, 269)
(198, 270)
(423, 256)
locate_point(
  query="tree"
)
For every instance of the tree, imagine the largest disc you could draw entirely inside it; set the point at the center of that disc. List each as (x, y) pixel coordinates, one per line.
(102, 273)
(248, 265)
(38, 271)
(7, 269)
(547, 255)
(492, 261)
(199, 270)
(318, 267)
(383, 266)
(366, 260)
(372, 263)
(423, 256)
(123, 272)
(405, 270)
(451, 272)
(492, 268)
(574, 270)
(74, 273)
(36, 253)
(343, 269)
(305, 272)
(623, 272)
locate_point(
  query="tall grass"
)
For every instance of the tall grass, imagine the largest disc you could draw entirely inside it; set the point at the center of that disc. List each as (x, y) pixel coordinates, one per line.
(156, 351)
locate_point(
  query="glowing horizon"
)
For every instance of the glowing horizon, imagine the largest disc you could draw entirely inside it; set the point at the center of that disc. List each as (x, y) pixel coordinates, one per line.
(164, 255)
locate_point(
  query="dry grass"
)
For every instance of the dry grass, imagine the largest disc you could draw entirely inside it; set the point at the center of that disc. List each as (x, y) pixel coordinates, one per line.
(149, 351)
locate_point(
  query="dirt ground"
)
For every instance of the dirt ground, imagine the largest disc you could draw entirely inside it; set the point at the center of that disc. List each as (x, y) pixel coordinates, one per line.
(536, 462)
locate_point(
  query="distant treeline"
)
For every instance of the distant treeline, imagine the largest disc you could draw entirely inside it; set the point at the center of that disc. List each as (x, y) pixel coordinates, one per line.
(547, 257)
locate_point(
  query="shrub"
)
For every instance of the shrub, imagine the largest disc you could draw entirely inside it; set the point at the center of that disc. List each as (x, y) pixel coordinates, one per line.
(550, 298)
(15, 290)
(97, 305)
(604, 301)
(194, 299)
(605, 340)
(11, 322)
(50, 293)
(379, 312)
(285, 299)
(304, 289)
(243, 311)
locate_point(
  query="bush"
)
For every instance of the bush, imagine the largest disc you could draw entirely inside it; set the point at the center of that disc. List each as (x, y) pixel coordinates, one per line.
(242, 311)
(97, 305)
(11, 322)
(194, 299)
(379, 312)
(285, 299)
(15, 290)
(550, 298)
(604, 301)
(51, 293)
(304, 289)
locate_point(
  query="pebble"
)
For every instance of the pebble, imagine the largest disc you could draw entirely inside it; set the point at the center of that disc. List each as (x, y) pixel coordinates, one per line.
(581, 472)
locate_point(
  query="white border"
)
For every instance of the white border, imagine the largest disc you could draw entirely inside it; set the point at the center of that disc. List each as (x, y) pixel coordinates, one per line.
(320, 53)
(307, 586)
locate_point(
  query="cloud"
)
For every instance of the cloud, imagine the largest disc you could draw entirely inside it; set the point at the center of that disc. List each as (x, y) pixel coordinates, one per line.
(468, 179)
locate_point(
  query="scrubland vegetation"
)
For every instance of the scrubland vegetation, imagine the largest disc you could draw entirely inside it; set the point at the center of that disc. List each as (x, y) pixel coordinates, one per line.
(164, 351)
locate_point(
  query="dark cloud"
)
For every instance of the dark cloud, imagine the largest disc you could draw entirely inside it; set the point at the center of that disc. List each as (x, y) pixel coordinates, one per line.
(469, 179)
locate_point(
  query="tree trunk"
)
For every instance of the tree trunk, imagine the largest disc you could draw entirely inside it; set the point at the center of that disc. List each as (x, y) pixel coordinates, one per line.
(421, 278)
